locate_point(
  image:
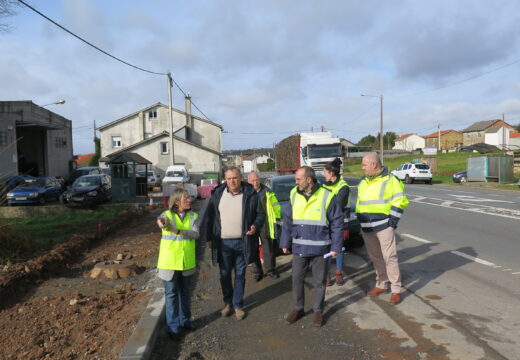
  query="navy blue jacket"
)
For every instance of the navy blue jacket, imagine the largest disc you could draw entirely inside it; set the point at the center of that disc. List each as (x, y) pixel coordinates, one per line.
(332, 232)
(252, 214)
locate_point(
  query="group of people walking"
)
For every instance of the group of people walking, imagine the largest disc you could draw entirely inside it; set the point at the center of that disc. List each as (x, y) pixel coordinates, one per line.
(243, 215)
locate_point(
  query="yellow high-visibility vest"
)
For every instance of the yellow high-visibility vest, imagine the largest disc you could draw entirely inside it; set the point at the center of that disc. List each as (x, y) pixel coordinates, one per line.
(272, 209)
(177, 252)
(336, 188)
(312, 211)
(379, 194)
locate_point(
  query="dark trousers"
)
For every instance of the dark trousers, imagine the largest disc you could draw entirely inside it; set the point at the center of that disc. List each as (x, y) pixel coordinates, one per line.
(231, 257)
(269, 254)
(319, 268)
(177, 302)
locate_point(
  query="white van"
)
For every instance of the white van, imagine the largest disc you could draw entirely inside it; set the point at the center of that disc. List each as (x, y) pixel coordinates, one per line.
(176, 174)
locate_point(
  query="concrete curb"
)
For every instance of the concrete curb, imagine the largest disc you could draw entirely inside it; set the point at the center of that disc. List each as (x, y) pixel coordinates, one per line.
(143, 338)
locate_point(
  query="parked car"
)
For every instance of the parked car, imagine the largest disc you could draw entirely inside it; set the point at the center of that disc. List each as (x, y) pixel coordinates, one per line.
(176, 174)
(88, 191)
(460, 177)
(283, 184)
(412, 172)
(151, 177)
(37, 190)
(87, 170)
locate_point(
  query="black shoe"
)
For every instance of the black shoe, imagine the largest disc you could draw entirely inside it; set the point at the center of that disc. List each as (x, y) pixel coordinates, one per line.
(188, 327)
(273, 275)
(258, 277)
(174, 337)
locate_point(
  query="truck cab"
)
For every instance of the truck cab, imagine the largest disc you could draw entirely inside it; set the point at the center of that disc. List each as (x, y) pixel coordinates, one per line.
(318, 149)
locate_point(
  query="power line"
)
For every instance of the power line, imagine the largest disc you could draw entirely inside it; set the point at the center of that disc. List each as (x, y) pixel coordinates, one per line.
(110, 55)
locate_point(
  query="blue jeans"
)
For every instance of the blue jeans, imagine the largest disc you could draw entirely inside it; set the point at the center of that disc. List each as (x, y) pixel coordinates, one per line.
(231, 257)
(177, 302)
(340, 258)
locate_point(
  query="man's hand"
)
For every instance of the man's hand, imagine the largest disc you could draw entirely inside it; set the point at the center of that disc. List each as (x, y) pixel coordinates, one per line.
(252, 230)
(333, 253)
(286, 251)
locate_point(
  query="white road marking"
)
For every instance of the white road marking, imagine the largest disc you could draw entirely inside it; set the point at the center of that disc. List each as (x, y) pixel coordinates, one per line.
(475, 259)
(417, 238)
(478, 199)
(516, 273)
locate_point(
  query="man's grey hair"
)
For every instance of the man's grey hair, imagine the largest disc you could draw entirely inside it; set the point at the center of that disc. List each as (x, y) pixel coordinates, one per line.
(233, 168)
(309, 172)
(374, 158)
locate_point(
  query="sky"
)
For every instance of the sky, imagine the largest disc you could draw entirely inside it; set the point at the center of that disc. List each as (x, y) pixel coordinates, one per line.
(267, 69)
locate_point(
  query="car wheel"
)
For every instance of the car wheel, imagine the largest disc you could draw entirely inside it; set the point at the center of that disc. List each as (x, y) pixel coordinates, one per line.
(463, 180)
(41, 200)
(408, 179)
(430, 182)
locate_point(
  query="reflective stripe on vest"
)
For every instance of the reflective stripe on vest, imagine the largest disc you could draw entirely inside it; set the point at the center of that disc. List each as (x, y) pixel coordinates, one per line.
(374, 223)
(323, 206)
(312, 242)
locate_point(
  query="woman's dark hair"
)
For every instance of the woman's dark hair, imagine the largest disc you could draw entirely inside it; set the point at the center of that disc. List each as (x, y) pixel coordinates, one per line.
(335, 167)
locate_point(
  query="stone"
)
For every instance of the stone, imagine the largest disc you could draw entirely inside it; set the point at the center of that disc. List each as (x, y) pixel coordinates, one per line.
(73, 302)
(119, 257)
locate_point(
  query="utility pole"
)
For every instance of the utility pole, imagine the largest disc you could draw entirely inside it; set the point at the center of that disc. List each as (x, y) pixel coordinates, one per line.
(503, 136)
(439, 138)
(381, 150)
(170, 100)
(94, 129)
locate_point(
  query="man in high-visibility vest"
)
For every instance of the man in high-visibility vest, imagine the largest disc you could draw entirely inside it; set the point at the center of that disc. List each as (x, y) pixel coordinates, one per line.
(380, 205)
(268, 234)
(312, 227)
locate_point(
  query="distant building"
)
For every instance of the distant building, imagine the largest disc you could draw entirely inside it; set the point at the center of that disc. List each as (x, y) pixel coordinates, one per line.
(251, 162)
(498, 136)
(475, 133)
(450, 139)
(409, 142)
(514, 141)
(34, 140)
(197, 141)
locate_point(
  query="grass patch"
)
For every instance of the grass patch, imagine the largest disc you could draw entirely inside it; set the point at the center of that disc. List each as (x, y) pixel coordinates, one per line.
(22, 238)
(447, 165)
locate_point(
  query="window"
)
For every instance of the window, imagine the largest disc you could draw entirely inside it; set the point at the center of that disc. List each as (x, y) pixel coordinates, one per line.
(116, 141)
(164, 148)
(3, 138)
(60, 141)
(152, 114)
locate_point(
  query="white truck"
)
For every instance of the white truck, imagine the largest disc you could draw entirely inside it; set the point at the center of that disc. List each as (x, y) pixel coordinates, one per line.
(313, 149)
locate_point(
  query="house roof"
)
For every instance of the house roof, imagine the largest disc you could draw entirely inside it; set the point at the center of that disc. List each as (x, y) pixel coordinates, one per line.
(83, 160)
(154, 106)
(402, 137)
(435, 134)
(514, 135)
(493, 129)
(483, 125)
(155, 137)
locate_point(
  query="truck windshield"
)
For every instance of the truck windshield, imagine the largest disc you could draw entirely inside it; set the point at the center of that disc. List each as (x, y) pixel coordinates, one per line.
(324, 151)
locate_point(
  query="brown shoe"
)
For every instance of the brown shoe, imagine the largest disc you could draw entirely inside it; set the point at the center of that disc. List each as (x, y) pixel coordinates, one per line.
(377, 291)
(327, 282)
(395, 299)
(339, 278)
(240, 314)
(294, 316)
(318, 319)
(227, 310)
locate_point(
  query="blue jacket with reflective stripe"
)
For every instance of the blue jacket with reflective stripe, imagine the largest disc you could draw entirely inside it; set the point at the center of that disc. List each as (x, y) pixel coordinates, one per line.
(331, 234)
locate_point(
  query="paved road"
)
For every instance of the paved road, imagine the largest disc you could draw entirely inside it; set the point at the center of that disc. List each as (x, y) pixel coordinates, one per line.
(460, 251)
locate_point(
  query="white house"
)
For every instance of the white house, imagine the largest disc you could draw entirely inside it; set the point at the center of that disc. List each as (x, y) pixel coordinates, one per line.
(250, 163)
(196, 141)
(409, 142)
(498, 136)
(514, 141)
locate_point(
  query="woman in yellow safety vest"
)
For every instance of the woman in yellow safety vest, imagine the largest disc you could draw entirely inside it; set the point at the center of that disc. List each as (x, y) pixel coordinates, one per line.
(339, 187)
(176, 261)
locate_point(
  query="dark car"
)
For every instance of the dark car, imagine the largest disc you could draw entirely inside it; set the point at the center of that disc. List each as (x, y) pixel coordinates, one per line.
(282, 186)
(88, 191)
(460, 177)
(37, 190)
(87, 170)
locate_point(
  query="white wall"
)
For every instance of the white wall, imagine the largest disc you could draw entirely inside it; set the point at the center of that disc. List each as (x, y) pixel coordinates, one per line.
(410, 143)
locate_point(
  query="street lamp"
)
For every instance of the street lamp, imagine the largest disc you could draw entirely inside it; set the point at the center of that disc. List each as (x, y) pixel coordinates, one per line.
(59, 102)
(381, 125)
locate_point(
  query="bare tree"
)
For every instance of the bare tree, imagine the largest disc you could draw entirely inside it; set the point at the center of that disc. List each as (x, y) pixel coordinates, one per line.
(6, 10)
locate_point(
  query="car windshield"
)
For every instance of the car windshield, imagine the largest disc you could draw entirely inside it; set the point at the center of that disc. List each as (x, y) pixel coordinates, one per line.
(282, 189)
(422, 166)
(33, 183)
(174, 174)
(87, 181)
